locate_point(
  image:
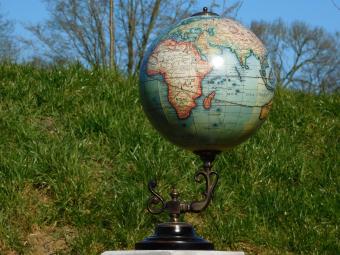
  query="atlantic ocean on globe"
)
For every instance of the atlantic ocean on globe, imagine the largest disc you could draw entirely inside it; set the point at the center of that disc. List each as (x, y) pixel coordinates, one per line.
(206, 84)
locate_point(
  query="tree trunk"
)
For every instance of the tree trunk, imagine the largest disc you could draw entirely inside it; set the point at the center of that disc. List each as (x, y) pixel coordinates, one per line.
(146, 35)
(112, 38)
(132, 8)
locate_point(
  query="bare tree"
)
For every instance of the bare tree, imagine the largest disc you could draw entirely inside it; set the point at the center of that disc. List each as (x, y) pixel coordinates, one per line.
(147, 29)
(76, 30)
(8, 47)
(302, 57)
(98, 34)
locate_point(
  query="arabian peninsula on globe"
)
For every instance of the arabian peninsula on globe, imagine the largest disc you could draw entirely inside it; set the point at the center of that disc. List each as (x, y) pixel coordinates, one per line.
(206, 84)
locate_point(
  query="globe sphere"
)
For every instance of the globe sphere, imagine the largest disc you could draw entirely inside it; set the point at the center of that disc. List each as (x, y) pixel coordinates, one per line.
(206, 83)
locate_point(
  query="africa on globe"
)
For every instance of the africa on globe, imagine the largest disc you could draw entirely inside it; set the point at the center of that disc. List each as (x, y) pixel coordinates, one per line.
(207, 84)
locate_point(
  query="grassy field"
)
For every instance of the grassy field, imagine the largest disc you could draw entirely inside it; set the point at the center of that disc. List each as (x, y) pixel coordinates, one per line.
(76, 153)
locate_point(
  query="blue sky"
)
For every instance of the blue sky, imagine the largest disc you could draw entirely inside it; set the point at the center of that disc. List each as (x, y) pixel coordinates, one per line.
(315, 12)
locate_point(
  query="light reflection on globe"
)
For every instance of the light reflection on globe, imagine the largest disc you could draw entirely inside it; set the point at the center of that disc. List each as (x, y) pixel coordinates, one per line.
(206, 84)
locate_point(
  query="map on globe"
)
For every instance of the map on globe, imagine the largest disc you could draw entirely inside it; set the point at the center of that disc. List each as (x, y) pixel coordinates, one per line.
(207, 83)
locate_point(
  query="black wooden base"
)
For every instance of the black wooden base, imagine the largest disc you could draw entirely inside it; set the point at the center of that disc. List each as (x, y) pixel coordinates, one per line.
(174, 236)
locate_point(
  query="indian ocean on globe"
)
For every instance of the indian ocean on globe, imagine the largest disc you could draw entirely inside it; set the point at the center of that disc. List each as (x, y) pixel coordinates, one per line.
(206, 84)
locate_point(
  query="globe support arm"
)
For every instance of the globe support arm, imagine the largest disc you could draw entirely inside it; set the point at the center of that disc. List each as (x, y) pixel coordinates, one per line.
(157, 204)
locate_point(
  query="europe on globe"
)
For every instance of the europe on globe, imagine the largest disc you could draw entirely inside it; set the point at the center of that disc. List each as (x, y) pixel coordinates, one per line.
(206, 84)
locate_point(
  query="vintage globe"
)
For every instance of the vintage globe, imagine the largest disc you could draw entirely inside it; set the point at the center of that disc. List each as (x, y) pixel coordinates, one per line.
(206, 84)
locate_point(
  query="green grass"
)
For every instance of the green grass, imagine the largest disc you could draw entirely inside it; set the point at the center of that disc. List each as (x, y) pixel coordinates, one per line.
(76, 153)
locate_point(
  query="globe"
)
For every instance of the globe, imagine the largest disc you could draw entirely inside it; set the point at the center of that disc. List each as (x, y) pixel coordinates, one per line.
(206, 83)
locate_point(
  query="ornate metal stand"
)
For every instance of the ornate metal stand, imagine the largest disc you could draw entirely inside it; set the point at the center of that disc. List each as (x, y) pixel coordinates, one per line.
(175, 235)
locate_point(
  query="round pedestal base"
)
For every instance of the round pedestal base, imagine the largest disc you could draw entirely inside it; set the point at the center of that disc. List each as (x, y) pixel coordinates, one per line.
(174, 236)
